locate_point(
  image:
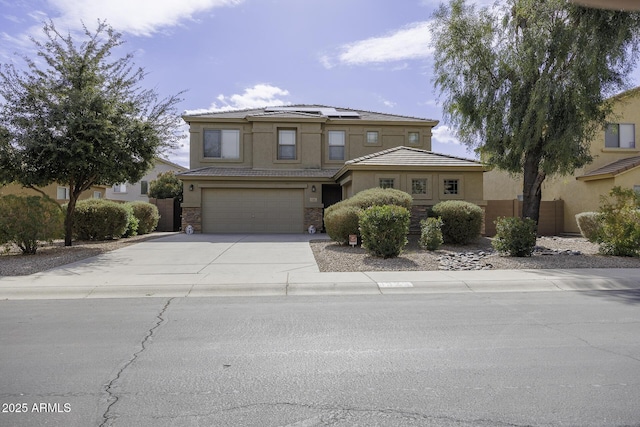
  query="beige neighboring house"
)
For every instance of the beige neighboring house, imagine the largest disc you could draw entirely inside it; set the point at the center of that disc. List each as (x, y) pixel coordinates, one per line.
(58, 192)
(139, 191)
(274, 170)
(616, 163)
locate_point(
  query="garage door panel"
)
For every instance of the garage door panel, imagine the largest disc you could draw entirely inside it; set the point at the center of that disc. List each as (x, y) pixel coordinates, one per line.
(252, 211)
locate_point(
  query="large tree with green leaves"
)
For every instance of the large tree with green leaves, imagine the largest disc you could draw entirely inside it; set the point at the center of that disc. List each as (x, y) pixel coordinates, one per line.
(76, 116)
(526, 82)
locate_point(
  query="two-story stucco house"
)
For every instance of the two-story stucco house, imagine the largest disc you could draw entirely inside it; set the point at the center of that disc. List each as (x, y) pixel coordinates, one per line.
(274, 170)
(616, 162)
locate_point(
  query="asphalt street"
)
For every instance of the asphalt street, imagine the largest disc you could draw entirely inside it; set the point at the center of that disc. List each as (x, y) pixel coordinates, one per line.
(451, 359)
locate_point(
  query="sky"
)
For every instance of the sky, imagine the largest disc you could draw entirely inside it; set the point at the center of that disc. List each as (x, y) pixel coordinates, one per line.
(227, 54)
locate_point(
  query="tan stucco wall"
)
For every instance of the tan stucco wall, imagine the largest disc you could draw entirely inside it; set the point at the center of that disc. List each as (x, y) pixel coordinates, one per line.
(579, 196)
(259, 141)
(471, 184)
(50, 190)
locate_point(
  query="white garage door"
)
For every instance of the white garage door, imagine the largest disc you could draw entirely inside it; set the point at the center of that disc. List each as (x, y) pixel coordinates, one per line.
(252, 211)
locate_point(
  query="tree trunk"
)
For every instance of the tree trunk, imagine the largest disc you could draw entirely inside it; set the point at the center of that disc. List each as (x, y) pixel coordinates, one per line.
(532, 189)
(68, 219)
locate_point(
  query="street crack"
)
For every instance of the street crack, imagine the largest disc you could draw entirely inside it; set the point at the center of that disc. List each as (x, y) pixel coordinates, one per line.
(113, 398)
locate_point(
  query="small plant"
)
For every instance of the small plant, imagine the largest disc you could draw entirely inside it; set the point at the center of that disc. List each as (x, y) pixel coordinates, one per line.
(619, 233)
(515, 236)
(147, 215)
(589, 225)
(462, 221)
(132, 222)
(342, 222)
(431, 233)
(99, 219)
(384, 230)
(25, 221)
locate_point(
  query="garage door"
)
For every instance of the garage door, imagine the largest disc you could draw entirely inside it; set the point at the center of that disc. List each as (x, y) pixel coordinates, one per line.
(252, 211)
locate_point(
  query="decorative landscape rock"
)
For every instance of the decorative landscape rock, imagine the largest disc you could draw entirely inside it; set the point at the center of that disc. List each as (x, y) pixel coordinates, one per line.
(465, 261)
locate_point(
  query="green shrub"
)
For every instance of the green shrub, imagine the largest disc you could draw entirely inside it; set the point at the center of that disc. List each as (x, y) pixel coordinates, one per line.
(166, 186)
(147, 215)
(342, 222)
(25, 221)
(431, 233)
(132, 222)
(589, 225)
(619, 233)
(99, 219)
(384, 230)
(515, 236)
(362, 200)
(462, 221)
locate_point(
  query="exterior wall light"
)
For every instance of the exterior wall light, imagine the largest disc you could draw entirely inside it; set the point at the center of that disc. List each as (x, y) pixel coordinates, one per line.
(313, 188)
(190, 187)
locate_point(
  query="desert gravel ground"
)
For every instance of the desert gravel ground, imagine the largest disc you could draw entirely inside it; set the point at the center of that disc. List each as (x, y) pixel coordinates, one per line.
(333, 257)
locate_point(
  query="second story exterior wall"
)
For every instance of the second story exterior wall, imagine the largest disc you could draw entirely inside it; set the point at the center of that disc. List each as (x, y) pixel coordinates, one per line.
(265, 139)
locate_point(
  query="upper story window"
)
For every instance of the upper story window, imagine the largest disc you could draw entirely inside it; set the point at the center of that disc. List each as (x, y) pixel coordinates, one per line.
(414, 138)
(372, 137)
(120, 188)
(222, 143)
(620, 136)
(286, 144)
(144, 187)
(336, 144)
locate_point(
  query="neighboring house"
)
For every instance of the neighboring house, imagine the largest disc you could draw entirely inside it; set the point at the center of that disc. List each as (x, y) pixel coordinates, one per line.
(616, 163)
(58, 192)
(139, 191)
(274, 170)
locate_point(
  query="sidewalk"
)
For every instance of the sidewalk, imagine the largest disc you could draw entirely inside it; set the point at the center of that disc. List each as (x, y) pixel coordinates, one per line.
(245, 265)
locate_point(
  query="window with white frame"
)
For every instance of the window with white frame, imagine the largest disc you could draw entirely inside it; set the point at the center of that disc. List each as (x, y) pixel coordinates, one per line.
(62, 193)
(336, 144)
(414, 138)
(97, 195)
(372, 137)
(222, 143)
(620, 135)
(287, 144)
(386, 182)
(120, 188)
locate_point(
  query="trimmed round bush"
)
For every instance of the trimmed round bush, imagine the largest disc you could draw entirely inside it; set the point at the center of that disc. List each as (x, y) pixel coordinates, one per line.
(431, 233)
(589, 225)
(515, 236)
(619, 234)
(342, 222)
(99, 219)
(147, 215)
(25, 221)
(462, 221)
(384, 230)
(362, 200)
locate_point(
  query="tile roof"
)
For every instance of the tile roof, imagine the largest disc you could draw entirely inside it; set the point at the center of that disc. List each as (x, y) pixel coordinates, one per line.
(288, 111)
(408, 156)
(272, 173)
(614, 168)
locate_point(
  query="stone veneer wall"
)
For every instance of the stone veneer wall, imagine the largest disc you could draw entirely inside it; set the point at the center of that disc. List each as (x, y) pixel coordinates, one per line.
(313, 216)
(193, 217)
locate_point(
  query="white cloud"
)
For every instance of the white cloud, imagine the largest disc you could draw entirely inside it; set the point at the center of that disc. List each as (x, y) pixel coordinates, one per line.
(138, 17)
(260, 95)
(443, 134)
(409, 42)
